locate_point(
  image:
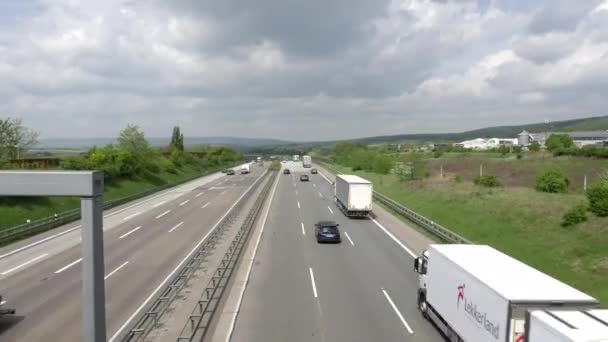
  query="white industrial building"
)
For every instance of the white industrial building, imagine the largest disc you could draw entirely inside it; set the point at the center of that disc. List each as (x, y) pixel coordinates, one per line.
(581, 138)
(486, 144)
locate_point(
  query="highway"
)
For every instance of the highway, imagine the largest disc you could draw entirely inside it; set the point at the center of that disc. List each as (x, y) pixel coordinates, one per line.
(144, 243)
(363, 289)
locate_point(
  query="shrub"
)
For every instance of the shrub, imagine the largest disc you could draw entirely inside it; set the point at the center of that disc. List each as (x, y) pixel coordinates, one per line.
(534, 146)
(598, 199)
(437, 154)
(520, 155)
(552, 181)
(490, 181)
(575, 215)
(458, 179)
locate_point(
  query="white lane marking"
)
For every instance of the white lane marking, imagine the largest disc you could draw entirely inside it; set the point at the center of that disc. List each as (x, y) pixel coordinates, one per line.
(39, 242)
(223, 192)
(394, 239)
(211, 188)
(129, 232)
(131, 216)
(205, 206)
(68, 266)
(296, 192)
(314, 185)
(176, 226)
(24, 264)
(349, 239)
(327, 179)
(80, 226)
(331, 211)
(199, 194)
(163, 214)
(407, 326)
(116, 270)
(255, 251)
(184, 202)
(298, 204)
(162, 283)
(320, 194)
(312, 280)
(3, 302)
(159, 204)
(303, 230)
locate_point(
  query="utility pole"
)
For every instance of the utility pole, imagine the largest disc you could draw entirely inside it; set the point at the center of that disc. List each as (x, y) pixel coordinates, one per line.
(480, 170)
(585, 183)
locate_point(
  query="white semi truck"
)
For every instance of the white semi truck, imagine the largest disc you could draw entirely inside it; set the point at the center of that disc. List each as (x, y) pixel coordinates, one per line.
(306, 161)
(475, 293)
(567, 326)
(353, 195)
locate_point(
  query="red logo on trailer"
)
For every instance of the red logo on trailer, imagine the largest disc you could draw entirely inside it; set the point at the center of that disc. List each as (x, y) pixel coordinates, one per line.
(460, 294)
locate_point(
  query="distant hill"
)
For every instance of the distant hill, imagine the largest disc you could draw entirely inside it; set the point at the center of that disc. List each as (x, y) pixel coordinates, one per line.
(585, 124)
(84, 143)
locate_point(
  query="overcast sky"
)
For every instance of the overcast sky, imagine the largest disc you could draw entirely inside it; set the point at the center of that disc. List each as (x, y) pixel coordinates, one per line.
(299, 69)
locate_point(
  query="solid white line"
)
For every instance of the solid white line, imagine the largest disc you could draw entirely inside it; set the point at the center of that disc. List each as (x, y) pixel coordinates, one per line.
(205, 206)
(298, 204)
(163, 214)
(24, 264)
(68, 266)
(129, 232)
(199, 194)
(394, 238)
(349, 239)
(159, 204)
(312, 280)
(303, 230)
(331, 211)
(184, 202)
(131, 216)
(255, 251)
(162, 283)
(116, 270)
(176, 226)
(407, 326)
(39, 242)
(320, 194)
(327, 179)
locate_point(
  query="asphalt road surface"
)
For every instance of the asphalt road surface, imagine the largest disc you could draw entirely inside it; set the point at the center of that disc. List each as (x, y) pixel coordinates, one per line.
(144, 242)
(363, 289)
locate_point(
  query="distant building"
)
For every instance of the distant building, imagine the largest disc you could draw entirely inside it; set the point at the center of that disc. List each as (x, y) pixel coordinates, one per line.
(486, 144)
(581, 138)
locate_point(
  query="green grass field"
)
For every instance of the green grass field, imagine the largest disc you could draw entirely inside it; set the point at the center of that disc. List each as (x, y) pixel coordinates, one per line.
(518, 221)
(15, 211)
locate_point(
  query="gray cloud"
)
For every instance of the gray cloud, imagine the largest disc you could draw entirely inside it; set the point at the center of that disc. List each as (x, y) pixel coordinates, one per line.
(299, 70)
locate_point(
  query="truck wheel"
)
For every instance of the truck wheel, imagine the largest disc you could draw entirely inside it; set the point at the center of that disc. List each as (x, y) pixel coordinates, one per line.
(422, 306)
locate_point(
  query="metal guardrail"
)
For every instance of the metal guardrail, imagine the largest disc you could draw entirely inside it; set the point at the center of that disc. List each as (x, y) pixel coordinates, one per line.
(150, 318)
(432, 227)
(32, 228)
(200, 319)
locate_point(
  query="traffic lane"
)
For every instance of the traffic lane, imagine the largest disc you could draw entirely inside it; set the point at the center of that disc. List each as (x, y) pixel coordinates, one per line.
(21, 253)
(145, 259)
(373, 266)
(278, 303)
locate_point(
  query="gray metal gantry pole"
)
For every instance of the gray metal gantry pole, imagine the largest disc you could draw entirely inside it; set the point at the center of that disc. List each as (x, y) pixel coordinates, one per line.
(88, 185)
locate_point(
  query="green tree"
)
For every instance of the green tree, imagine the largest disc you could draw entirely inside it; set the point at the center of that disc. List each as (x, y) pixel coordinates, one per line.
(15, 139)
(132, 139)
(559, 141)
(552, 181)
(503, 150)
(534, 146)
(598, 199)
(177, 139)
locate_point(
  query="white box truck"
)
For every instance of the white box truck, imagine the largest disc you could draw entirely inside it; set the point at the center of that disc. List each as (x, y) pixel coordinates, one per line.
(296, 157)
(245, 169)
(306, 161)
(353, 195)
(567, 326)
(475, 293)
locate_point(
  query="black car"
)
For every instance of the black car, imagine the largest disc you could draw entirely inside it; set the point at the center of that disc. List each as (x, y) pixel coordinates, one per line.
(313, 171)
(286, 172)
(230, 172)
(327, 231)
(304, 178)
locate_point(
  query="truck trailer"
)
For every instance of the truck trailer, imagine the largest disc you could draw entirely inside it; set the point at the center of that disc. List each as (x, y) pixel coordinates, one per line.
(353, 195)
(567, 326)
(306, 161)
(475, 293)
